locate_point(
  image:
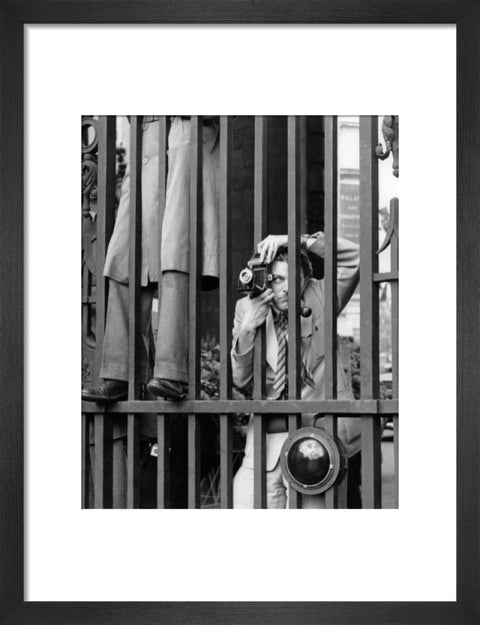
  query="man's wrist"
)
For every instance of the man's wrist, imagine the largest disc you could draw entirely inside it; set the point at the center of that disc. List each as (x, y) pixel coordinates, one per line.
(245, 340)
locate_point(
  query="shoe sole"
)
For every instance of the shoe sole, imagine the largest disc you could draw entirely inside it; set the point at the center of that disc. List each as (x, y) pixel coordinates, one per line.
(166, 393)
(99, 399)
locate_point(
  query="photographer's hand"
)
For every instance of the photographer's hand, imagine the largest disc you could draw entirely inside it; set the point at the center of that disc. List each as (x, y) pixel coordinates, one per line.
(267, 248)
(255, 314)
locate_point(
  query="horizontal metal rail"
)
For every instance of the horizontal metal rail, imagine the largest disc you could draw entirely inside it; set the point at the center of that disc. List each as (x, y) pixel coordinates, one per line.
(100, 420)
(388, 276)
(351, 408)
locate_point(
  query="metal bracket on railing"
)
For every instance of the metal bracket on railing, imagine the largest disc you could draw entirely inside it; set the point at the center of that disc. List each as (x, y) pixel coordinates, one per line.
(390, 135)
(392, 228)
(89, 164)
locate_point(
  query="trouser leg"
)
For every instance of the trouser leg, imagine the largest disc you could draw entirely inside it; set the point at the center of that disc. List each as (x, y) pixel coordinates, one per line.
(243, 488)
(115, 342)
(171, 361)
(277, 489)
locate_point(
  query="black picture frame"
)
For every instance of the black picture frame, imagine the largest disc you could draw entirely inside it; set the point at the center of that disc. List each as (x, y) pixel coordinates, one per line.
(14, 14)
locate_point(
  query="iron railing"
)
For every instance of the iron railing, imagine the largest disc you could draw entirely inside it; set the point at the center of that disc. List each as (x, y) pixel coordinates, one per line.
(98, 423)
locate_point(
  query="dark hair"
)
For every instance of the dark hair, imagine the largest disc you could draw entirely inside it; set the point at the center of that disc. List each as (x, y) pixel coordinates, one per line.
(282, 255)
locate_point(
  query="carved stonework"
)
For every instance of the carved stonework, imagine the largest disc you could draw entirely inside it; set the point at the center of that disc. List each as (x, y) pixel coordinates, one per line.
(89, 234)
(89, 164)
(390, 135)
(89, 183)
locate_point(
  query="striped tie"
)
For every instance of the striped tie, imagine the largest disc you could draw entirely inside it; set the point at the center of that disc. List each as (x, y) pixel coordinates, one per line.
(281, 327)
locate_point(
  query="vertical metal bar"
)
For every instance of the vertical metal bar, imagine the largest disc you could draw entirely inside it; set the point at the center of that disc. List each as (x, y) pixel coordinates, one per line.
(103, 475)
(226, 461)
(162, 191)
(135, 254)
(259, 381)
(394, 286)
(103, 469)
(86, 301)
(303, 174)
(163, 423)
(133, 461)
(105, 220)
(294, 268)
(193, 461)
(225, 311)
(331, 298)
(394, 294)
(294, 497)
(134, 294)
(341, 491)
(369, 321)
(259, 232)
(259, 462)
(332, 499)
(196, 221)
(85, 459)
(163, 461)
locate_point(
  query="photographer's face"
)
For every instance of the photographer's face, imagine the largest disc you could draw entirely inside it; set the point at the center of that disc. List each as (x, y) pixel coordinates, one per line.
(280, 284)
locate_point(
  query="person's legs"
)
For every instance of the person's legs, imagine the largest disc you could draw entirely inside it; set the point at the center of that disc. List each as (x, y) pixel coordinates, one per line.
(115, 342)
(171, 361)
(276, 488)
(114, 368)
(243, 488)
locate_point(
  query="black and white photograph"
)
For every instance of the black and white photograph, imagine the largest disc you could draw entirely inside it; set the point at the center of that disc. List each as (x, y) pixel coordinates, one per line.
(240, 311)
(203, 322)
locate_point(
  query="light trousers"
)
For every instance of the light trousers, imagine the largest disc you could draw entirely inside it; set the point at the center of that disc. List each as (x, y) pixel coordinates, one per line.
(277, 490)
(171, 353)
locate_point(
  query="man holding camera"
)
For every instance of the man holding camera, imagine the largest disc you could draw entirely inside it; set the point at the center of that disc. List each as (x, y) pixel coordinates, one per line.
(270, 308)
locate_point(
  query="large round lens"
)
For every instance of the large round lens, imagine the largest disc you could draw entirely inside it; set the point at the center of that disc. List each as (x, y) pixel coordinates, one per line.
(245, 276)
(308, 461)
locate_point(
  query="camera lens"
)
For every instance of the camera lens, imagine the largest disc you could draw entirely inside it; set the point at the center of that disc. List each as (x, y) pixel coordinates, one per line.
(245, 276)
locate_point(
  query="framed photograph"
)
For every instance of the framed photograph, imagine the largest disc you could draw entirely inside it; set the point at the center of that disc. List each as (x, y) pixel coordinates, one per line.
(72, 72)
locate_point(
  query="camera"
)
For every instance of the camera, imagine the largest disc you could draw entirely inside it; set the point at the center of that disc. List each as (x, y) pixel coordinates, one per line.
(255, 278)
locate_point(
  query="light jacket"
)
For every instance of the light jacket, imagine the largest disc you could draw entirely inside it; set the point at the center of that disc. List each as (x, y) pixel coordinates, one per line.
(312, 351)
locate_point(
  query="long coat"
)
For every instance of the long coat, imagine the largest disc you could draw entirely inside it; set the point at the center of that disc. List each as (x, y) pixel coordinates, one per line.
(312, 353)
(175, 228)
